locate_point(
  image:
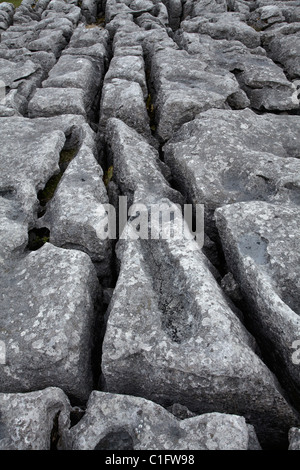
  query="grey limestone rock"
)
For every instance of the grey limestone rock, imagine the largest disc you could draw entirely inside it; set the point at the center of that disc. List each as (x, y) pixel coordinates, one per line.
(24, 75)
(289, 9)
(227, 26)
(138, 170)
(48, 315)
(89, 9)
(13, 104)
(124, 99)
(203, 7)
(14, 39)
(261, 245)
(6, 15)
(76, 216)
(174, 8)
(114, 8)
(283, 45)
(47, 102)
(40, 142)
(59, 8)
(89, 41)
(294, 439)
(13, 228)
(27, 420)
(265, 17)
(172, 337)
(29, 158)
(121, 422)
(83, 73)
(186, 89)
(60, 24)
(50, 41)
(130, 68)
(46, 60)
(263, 81)
(224, 157)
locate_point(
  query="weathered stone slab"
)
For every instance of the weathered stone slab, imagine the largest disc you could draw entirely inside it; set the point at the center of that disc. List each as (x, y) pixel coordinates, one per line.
(42, 59)
(263, 81)
(203, 7)
(137, 169)
(47, 102)
(174, 8)
(264, 17)
(120, 422)
(77, 72)
(76, 216)
(6, 15)
(261, 246)
(119, 7)
(24, 76)
(89, 10)
(289, 9)
(13, 227)
(62, 24)
(49, 35)
(29, 158)
(30, 155)
(283, 46)
(224, 157)
(50, 41)
(89, 41)
(59, 8)
(13, 104)
(294, 439)
(15, 39)
(27, 420)
(124, 99)
(184, 87)
(224, 26)
(48, 316)
(129, 67)
(173, 337)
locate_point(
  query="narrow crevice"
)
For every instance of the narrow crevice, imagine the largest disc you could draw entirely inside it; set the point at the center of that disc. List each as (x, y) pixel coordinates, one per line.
(54, 437)
(76, 414)
(37, 237)
(45, 195)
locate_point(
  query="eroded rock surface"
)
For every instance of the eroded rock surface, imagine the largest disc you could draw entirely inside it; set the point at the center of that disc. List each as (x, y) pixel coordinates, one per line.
(27, 420)
(149, 214)
(123, 422)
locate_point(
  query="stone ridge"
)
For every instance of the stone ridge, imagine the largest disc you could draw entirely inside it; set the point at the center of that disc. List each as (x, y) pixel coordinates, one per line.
(149, 221)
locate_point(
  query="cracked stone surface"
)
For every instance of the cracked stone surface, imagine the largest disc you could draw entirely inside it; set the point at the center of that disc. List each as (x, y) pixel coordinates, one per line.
(205, 157)
(27, 419)
(48, 321)
(122, 120)
(172, 326)
(125, 423)
(76, 212)
(260, 242)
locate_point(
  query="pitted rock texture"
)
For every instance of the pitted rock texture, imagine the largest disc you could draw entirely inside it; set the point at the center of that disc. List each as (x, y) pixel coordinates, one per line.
(171, 324)
(27, 420)
(48, 321)
(123, 422)
(260, 245)
(149, 219)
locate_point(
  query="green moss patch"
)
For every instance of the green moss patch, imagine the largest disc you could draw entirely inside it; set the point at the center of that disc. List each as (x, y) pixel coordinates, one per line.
(151, 112)
(16, 3)
(37, 237)
(107, 177)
